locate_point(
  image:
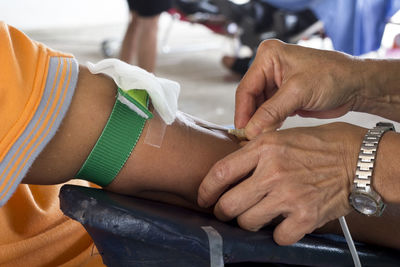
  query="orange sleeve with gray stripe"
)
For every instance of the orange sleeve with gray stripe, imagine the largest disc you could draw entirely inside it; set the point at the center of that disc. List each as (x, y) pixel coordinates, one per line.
(36, 88)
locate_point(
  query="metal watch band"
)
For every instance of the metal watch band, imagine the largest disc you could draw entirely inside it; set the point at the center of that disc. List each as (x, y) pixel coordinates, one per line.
(366, 157)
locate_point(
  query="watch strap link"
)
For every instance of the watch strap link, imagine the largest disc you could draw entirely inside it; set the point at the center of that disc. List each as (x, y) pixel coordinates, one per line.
(363, 197)
(366, 157)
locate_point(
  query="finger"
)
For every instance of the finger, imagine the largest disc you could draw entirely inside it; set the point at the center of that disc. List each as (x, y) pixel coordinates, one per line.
(249, 89)
(240, 198)
(226, 172)
(292, 229)
(244, 195)
(262, 213)
(271, 114)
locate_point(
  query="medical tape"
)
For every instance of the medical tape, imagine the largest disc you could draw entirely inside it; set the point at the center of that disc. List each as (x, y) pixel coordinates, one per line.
(216, 246)
(155, 131)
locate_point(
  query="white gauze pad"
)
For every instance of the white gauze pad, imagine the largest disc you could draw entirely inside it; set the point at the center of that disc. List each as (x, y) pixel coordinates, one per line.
(163, 93)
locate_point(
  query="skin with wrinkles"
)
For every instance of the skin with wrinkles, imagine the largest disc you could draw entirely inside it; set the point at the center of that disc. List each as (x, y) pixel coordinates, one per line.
(305, 174)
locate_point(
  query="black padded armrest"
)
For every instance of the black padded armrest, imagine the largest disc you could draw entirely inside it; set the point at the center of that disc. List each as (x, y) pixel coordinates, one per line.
(130, 231)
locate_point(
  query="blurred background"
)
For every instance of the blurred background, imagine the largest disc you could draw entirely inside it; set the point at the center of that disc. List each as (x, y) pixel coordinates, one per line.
(194, 37)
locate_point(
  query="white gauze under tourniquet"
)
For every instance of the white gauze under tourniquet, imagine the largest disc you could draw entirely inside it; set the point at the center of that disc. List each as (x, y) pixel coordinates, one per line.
(163, 93)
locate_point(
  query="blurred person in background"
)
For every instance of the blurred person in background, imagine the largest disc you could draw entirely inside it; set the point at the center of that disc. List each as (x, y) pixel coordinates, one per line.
(140, 40)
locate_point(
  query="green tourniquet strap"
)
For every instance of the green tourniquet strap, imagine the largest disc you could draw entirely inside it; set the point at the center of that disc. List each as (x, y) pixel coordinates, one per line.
(114, 146)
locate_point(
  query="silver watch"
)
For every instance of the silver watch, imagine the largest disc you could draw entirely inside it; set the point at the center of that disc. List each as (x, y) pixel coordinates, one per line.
(363, 197)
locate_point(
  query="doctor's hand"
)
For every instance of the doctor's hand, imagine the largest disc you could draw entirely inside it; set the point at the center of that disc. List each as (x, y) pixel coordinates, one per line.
(289, 79)
(303, 174)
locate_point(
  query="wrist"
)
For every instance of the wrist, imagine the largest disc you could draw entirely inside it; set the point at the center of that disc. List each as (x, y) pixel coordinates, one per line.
(366, 86)
(386, 168)
(352, 149)
(363, 197)
(350, 74)
(378, 92)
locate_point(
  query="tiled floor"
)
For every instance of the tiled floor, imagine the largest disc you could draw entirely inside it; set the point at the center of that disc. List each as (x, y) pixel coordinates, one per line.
(193, 61)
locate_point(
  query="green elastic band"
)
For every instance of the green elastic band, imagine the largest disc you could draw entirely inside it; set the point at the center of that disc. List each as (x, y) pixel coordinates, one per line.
(114, 145)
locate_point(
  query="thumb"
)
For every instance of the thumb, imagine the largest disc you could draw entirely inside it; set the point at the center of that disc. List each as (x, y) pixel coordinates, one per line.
(272, 113)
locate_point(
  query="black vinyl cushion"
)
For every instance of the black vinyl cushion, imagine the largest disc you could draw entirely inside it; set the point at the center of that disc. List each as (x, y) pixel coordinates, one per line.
(129, 231)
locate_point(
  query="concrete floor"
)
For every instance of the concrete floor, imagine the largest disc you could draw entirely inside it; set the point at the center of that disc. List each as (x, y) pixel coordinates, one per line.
(193, 60)
(207, 89)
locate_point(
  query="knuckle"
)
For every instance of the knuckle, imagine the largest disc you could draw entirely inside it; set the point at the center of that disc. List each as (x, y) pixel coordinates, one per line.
(264, 184)
(285, 200)
(221, 171)
(298, 90)
(266, 45)
(307, 216)
(276, 172)
(248, 223)
(227, 207)
(303, 216)
(270, 144)
(295, 87)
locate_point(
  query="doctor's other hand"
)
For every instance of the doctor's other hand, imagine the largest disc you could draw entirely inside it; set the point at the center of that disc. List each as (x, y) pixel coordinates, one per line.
(286, 79)
(303, 174)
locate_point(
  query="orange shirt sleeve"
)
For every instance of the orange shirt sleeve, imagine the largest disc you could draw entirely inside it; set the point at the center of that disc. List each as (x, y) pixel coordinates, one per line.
(36, 88)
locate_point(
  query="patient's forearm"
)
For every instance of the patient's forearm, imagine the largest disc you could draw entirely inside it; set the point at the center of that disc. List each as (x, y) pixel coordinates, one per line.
(177, 167)
(170, 173)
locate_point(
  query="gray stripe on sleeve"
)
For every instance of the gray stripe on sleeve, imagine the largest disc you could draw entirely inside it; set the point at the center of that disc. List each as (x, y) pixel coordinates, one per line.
(38, 121)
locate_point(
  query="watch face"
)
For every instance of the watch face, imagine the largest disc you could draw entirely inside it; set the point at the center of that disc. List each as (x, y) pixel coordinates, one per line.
(365, 204)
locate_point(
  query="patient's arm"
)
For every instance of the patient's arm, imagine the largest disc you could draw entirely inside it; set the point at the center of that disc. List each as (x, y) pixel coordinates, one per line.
(173, 172)
(170, 173)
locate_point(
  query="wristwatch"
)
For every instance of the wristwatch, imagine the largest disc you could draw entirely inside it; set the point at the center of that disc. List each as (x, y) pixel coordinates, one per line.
(363, 197)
